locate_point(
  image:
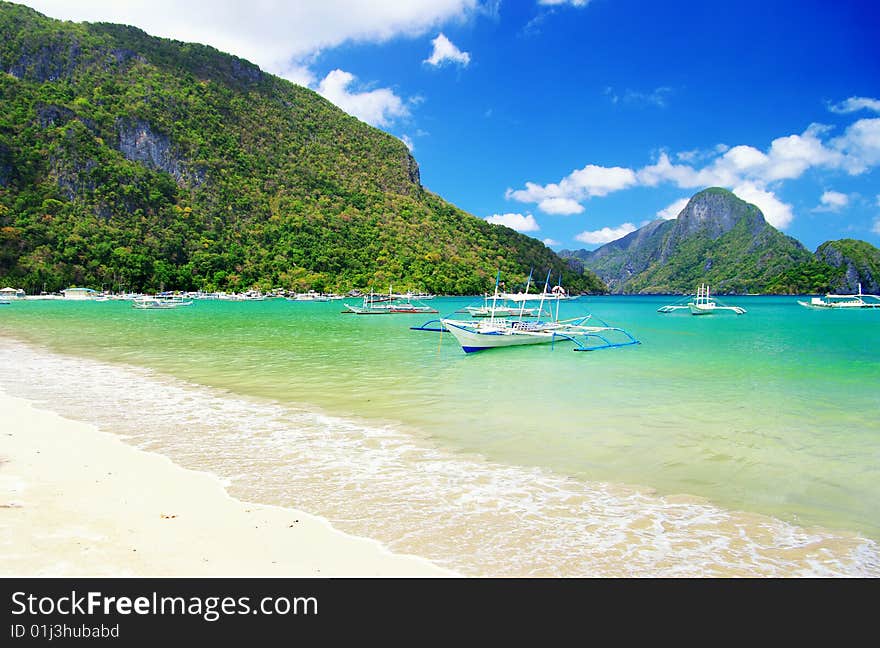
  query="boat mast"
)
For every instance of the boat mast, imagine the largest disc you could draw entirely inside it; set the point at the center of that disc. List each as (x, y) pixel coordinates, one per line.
(543, 294)
(558, 298)
(495, 297)
(528, 283)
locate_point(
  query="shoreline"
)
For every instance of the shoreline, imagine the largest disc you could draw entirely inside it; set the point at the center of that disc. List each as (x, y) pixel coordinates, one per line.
(583, 529)
(78, 501)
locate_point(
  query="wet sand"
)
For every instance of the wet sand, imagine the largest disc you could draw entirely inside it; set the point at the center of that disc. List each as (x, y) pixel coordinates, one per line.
(75, 501)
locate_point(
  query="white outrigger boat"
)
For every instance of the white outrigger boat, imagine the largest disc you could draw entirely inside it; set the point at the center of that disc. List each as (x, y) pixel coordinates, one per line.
(514, 304)
(501, 305)
(147, 302)
(860, 300)
(702, 304)
(494, 332)
(390, 304)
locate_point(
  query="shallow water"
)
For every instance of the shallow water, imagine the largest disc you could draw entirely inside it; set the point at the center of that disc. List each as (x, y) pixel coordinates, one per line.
(720, 445)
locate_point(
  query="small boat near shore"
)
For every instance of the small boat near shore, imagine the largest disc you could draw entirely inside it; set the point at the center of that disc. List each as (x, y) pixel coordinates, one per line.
(500, 306)
(495, 332)
(830, 301)
(702, 304)
(310, 296)
(388, 304)
(147, 302)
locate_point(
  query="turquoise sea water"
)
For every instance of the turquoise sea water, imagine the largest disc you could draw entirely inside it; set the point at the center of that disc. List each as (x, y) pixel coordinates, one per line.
(769, 417)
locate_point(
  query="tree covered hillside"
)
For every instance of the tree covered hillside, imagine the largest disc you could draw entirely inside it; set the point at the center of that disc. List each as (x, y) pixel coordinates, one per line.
(138, 162)
(717, 238)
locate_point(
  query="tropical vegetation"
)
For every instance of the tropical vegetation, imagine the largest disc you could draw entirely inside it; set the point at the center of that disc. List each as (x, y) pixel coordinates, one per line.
(129, 162)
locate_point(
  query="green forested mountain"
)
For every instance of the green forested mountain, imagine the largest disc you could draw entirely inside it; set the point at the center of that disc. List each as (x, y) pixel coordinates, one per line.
(717, 238)
(836, 267)
(138, 162)
(856, 262)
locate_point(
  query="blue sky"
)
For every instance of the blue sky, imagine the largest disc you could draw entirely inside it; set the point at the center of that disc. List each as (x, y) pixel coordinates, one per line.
(576, 122)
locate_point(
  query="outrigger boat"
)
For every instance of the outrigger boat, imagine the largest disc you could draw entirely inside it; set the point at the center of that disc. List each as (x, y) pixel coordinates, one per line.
(702, 304)
(494, 332)
(514, 304)
(147, 302)
(860, 300)
(390, 304)
(500, 306)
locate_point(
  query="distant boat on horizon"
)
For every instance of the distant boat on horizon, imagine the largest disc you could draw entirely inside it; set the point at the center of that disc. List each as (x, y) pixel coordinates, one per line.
(843, 301)
(388, 304)
(702, 304)
(147, 302)
(494, 332)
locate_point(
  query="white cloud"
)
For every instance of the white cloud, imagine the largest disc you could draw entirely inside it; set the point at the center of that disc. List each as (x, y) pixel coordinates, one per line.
(446, 52)
(753, 173)
(606, 234)
(790, 156)
(673, 210)
(299, 74)
(876, 227)
(377, 107)
(595, 180)
(776, 212)
(549, 241)
(563, 206)
(665, 171)
(271, 33)
(859, 146)
(854, 104)
(787, 158)
(878, 200)
(832, 201)
(406, 139)
(565, 196)
(283, 38)
(517, 222)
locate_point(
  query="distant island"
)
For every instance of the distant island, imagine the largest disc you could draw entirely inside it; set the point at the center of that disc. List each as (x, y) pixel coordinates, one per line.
(724, 241)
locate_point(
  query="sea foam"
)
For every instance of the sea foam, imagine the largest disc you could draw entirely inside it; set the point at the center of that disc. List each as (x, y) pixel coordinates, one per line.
(386, 482)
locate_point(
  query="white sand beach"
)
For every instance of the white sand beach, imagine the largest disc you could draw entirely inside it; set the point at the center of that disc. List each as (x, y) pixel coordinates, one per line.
(76, 501)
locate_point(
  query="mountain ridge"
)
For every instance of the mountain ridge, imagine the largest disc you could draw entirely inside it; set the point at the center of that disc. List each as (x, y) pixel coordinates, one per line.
(138, 162)
(720, 239)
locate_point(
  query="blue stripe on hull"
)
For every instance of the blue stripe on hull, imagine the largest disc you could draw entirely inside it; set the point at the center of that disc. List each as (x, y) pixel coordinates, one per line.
(470, 349)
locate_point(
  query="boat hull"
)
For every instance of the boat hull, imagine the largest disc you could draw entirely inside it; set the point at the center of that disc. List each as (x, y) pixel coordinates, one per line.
(700, 309)
(472, 340)
(712, 308)
(159, 305)
(849, 305)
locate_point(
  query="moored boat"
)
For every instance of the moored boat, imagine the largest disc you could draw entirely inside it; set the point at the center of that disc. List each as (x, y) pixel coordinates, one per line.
(147, 302)
(859, 300)
(495, 332)
(702, 304)
(388, 304)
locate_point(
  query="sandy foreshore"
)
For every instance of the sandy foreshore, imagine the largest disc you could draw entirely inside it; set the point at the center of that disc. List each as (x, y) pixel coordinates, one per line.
(76, 501)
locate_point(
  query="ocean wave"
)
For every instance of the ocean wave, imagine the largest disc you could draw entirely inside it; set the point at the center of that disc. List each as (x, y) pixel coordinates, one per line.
(386, 482)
